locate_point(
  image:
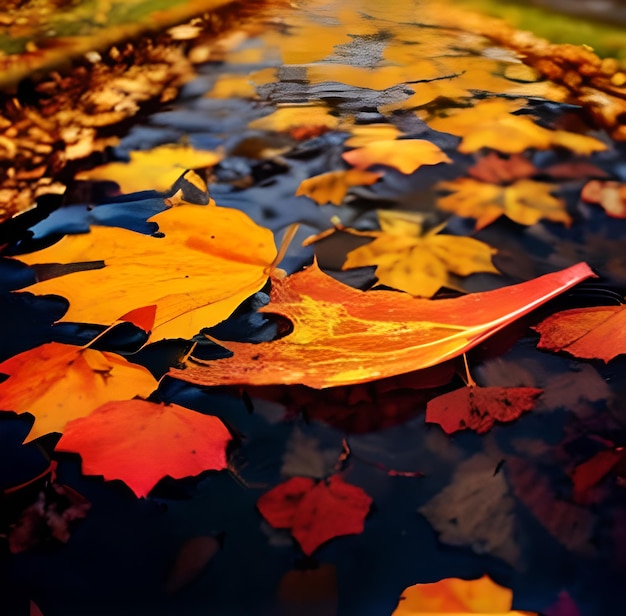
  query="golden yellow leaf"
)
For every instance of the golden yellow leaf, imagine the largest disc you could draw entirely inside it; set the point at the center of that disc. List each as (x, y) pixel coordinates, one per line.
(292, 116)
(363, 134)
(456, 597)
(405, 155)
(60, 382)
(209, 261)
(525, 201)
(490, 124)
(155, 169)
(332, 187)
(419, 263)
(231, 86)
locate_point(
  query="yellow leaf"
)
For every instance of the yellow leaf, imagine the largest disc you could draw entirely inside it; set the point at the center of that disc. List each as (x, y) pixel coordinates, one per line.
(405, 155)
(363, 134)
(291, 116)
(418, 263)
(155, 169)
(455, 597)
(209, 261)
(525, 201)
(332, 187)
(231, 86)
(60, 382)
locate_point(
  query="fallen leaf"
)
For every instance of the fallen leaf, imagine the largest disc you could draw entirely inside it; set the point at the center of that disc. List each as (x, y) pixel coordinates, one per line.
(155, 169)
(316, 512)
(419, 262)
(478, 408)
(495, 169)
(333, 186)
(405, 155)
(610, 195)
(344, 336)
(294, 116)
(596, 332)
(364, 134)
(525, 201)
(60, 382)
(588, 474)
(210, 260)
(476, 510)
(141, 317)
(192, 558)
(489, 124)
(141, 442)
(457, 596)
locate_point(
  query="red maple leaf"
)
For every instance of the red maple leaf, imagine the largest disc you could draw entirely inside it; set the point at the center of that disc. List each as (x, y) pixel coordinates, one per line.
(316, 511)
(478, 408)
(141, 442)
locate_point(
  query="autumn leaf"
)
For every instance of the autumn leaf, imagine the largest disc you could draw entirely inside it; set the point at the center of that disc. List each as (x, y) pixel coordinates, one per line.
(332, 187)
(489, 124)
(596, 332)
(364, 134)
(525, 201)
(495, 169)
(588, 474)
(316, 512)
(141, 442)
(456, 596)
(610, 195)
(210, 260)
(405, 155)
(419, 262)
(478, 408)
(293, 116)
(155, 169)
(343, 336)
(60, 382)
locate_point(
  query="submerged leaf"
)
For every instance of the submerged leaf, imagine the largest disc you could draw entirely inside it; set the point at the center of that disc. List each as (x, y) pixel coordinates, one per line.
(342, 335)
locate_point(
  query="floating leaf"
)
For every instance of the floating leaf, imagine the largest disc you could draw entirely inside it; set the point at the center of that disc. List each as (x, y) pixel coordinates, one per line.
(332, 187)
(342, 335)
(316, 512)
(495, 169)
(60, 382)
(596, 332)
(456, 596)
(405, 155)
(141, 442)
(478, 408)
(155, 169)
(526, 202)
(210, 260)
(610, 195)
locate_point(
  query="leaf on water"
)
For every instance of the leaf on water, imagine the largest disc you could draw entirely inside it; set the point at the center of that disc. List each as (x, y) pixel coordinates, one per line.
(60, 382)
(294, 116)
(456, 596)
(316, 512)
(332, 187)
(596, 332)
(141, 317)
(525, 201)
(364, 134)
(141, 442)
(478, 408)
(344, 336)
(405, 155)
(495, 169)
(155, 169)
(476, 510)
(610, 195)
(489, 124)
(409, 259)
(210, 260)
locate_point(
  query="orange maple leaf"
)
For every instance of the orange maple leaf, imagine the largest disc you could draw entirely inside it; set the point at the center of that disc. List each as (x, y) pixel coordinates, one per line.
(342, 335)
(333, 186)
(210, 260)
(141, 442)
(60, 382)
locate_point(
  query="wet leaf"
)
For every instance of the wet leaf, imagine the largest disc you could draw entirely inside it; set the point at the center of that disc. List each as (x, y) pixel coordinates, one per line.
(343, 336)
(418, 262)
(332, 187)
(209, 261)
(525, 201)
(60, 382)
(141, 442)
(316, 512)
(405, 155)
(457, 596)
(478, 408)
(155, 169)
(597, 332)
(610, 195)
